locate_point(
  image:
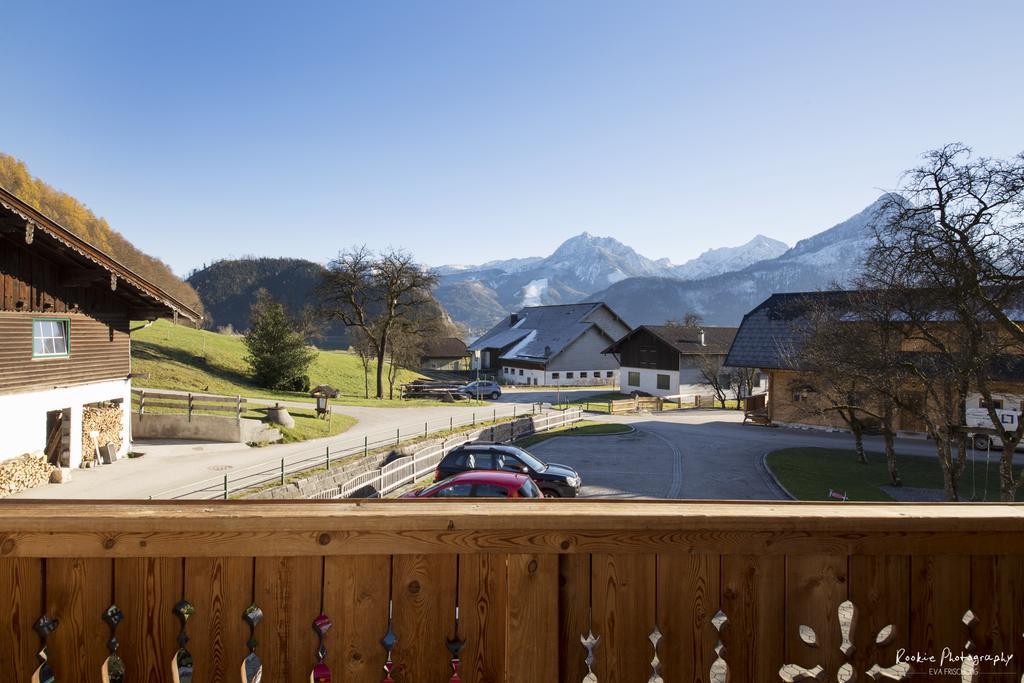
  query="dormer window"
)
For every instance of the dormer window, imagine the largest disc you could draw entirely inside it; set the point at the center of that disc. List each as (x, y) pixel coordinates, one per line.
(50, 337)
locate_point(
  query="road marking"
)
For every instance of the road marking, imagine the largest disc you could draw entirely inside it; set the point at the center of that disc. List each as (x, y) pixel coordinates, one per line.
(676, 490)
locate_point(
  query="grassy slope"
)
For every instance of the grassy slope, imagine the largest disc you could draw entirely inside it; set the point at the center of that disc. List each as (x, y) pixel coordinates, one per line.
(808, 473)
(170, 358)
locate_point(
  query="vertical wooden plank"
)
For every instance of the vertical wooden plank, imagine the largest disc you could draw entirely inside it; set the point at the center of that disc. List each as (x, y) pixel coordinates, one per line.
(424, 599)
(146, 589)
(880, 590)
(483, 609)
(624, 588)
(940, 594)
(815, 586)
(288, 592)
(356, 599)
(753, 597)
(220, 589)
(573, 605)
(21, 584)
(532, 619)
(78, 593)
(688, 596)
(997, 599)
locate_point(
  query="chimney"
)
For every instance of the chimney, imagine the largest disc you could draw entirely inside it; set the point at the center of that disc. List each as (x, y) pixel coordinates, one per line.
(513, 319)
(701, 330)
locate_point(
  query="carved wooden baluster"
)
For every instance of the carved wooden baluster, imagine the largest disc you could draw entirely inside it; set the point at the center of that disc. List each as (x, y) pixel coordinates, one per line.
(455, 646)
(252, 665)
(44, 674)
(321, 673)
(590, 642)
(655, 635)
(847, 614)
(969, 664)
(181, 665)
(791, 673)
(719, 668)
(388, 642)
(113, 666)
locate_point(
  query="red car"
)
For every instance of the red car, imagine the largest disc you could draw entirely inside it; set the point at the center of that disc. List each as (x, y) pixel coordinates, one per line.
(480, 484)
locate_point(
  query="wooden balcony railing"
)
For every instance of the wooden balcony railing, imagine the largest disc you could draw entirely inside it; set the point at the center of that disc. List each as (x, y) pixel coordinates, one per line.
(736, 591)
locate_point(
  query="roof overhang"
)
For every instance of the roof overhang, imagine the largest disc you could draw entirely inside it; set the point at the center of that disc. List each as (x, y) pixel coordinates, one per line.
(87, 264)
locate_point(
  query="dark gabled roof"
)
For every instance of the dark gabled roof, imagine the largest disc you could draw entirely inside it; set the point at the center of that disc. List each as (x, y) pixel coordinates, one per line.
(444, 347)
(770, 334)
(142, 295)
(538, 333)
(685, 340)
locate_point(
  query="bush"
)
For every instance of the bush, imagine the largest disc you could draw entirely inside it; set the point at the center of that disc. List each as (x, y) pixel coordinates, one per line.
(300, 384)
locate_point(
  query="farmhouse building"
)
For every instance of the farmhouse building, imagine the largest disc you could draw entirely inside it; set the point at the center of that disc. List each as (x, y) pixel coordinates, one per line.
(65, 315)
(444, 353)
(668, 360)
(770, 338)
(552, 345)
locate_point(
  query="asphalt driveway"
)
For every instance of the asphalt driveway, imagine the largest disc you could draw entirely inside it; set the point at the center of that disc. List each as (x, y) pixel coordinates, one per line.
(693, 454)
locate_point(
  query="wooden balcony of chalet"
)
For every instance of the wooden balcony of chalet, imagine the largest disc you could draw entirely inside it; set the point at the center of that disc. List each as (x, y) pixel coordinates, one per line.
(737, 591)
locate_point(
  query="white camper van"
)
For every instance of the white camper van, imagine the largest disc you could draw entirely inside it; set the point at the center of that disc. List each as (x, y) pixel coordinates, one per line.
(1008, 407)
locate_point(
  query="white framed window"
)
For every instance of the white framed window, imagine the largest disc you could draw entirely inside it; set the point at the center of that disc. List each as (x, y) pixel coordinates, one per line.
(50, 337)
(633, 379)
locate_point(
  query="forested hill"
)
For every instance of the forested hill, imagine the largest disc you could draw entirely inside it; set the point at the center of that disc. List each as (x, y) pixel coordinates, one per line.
(79, 219)
(229, 287)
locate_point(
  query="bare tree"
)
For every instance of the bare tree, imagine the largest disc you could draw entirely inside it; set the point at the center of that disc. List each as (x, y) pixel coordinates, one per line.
(721, 379)
(376, 293)
(956, 230)
(364, 348)
(404, 351)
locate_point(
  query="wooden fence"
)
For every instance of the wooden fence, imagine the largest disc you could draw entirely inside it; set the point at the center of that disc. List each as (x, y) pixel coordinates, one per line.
(189, 403)
(521, 591)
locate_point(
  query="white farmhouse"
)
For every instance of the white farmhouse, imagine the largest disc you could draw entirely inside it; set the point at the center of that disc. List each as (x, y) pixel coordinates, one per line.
(560, 345)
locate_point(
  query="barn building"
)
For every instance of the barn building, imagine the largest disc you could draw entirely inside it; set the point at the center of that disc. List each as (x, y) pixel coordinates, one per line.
(65, 323)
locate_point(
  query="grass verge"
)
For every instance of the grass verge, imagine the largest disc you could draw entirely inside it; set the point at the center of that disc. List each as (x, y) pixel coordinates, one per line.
(809, 473)
(581, 428)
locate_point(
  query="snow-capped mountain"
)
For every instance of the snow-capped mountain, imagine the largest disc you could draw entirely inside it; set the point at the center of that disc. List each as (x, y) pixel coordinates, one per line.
(728, 259)
(832, 256)
(580, 266)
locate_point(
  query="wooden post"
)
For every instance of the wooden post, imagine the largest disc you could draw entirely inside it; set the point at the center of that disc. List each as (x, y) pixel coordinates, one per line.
(424, 429)
(238, 406)
(190, 406)
(398, 436)
(225, 487)
(366, 446)
(451, 424)
(282, 471)
(327, 455)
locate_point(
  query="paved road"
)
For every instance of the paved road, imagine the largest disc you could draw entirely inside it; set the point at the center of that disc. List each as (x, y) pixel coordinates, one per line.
(170, 464)
(694, 454)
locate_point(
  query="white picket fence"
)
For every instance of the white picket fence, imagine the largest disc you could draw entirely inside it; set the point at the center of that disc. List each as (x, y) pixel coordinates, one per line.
(411, 468)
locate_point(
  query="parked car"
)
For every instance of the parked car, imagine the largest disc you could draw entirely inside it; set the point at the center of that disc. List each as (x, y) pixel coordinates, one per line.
(556, 481)
(480, 484)
(481, 388)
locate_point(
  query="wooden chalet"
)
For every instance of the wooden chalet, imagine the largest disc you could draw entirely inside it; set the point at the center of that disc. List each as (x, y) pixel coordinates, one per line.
(65, 314)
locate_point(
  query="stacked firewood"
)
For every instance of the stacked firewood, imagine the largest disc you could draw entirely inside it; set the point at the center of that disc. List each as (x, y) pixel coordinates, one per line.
(106, 420)
(24, 472)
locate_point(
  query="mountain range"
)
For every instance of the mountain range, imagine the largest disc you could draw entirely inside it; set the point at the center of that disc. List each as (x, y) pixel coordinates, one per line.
(478, 296)
(721, 284)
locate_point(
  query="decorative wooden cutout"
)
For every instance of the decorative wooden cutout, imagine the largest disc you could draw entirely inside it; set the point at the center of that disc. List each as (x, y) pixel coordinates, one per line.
(113, 666)
(654, 637)
(590, 642)
(455, 646)
(847, 615)
(30, 229)
(252, 665)
(969, 665)
(321, 674)
(719, 668)
(388, 642)
(113, 282)
(181, 665)
(44, 674)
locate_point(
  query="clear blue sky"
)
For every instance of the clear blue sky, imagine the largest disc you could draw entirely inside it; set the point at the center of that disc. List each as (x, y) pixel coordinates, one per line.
(474, 130)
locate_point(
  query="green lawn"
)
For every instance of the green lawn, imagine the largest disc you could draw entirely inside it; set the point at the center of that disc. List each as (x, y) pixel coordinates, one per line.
(581, 428)
(808, 474)
(178, 357)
